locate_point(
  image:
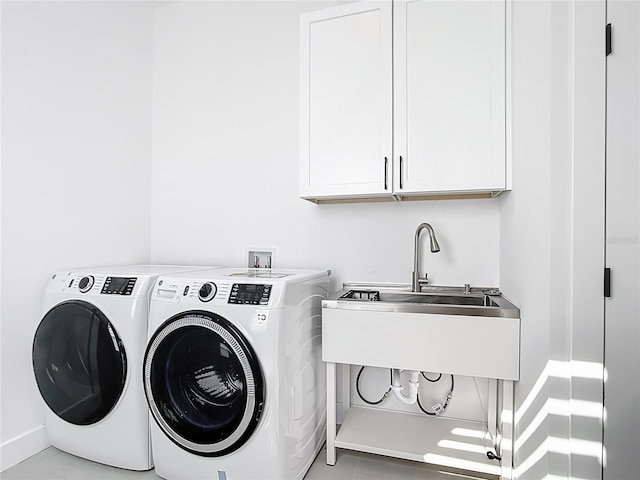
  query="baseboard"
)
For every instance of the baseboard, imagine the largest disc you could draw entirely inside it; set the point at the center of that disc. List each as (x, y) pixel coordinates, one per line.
(23, 446)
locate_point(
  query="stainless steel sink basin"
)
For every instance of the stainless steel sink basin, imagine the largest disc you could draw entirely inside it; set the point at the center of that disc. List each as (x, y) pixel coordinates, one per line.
(437, 300)
(430, 298)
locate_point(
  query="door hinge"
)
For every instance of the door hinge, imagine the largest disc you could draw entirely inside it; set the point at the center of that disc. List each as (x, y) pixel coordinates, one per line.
(607, 282)
(608, 39)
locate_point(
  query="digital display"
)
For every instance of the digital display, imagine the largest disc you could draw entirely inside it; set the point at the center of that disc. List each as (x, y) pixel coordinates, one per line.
(118, 286)
(250, 294)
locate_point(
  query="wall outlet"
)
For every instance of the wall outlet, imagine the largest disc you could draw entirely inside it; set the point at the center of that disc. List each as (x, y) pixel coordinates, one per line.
(261, 257)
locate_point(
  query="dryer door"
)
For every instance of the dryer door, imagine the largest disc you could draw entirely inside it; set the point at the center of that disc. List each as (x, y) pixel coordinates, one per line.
(79, 362)
(203, 383)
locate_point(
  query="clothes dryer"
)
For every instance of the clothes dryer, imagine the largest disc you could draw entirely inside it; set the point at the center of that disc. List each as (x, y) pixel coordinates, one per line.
(233, 374)
(87, 360)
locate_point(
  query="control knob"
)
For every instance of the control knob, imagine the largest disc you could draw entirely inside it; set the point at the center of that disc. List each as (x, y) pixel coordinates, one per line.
(207, 291)
(85, 284)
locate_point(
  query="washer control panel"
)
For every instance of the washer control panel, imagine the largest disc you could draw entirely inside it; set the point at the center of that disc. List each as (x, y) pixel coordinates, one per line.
(250, 294)
(207, 291)
(118, 286)
(85, 283)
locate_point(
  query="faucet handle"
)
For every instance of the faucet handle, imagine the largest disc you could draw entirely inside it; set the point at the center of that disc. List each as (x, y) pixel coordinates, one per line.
(422, 282)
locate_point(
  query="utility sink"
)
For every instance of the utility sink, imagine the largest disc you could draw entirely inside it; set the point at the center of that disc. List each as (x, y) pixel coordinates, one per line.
(471, 300)
(457, 330)
(420, 298)
(440, 300)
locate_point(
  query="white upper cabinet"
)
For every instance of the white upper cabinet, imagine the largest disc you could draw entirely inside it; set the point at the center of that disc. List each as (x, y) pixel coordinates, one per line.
(346, 101)
(405, 105)
(449, 102)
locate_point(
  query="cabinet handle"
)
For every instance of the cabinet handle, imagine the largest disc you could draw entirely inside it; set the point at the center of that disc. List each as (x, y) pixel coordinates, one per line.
(401, 172)
(386, 162)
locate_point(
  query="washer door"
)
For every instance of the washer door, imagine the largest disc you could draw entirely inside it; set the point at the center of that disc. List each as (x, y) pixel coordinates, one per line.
(203, 383)
(79, 362)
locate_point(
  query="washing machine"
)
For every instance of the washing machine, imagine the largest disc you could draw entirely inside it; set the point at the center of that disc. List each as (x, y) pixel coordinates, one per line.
(233, 374)
(87, 360)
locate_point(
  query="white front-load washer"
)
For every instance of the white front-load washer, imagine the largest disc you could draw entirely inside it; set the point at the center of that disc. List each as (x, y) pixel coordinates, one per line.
(87, 360)
(233, 374)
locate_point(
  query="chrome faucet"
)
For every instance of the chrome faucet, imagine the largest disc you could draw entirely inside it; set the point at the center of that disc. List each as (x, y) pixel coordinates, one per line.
(435, 248)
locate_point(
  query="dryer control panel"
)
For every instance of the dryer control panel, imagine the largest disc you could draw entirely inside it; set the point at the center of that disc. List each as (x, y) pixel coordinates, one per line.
(209, 292)
(250, 294)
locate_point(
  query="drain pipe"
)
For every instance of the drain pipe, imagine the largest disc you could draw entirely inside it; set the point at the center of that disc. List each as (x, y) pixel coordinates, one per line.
(398, 390)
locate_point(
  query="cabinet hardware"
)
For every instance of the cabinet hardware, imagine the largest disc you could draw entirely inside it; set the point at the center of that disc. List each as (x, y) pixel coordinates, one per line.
(608, 39)
(386, 162)
(400, 172)
(607, 282)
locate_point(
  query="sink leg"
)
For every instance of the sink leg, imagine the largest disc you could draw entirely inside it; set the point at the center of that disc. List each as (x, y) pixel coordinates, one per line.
(507, 428)
(493, 404)
(331, 413)
(346, 389)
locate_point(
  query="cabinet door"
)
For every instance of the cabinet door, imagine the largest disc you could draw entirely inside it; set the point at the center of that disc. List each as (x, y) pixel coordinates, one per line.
(346, 101)
(449, 74)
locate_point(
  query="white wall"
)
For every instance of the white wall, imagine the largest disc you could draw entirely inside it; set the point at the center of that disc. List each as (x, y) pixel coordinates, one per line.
(525, 222)
(76, 157)
(551, 235)
(225, 161)
(225, 168)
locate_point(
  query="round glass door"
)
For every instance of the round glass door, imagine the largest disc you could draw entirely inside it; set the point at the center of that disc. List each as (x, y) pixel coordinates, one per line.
(203, 383)
(79, 362)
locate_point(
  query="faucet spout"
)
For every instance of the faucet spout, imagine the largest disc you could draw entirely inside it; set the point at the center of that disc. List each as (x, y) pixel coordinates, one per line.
(434, 247)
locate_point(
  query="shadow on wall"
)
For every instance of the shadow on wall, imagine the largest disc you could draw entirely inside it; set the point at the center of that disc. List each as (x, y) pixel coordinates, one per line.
(527, 437)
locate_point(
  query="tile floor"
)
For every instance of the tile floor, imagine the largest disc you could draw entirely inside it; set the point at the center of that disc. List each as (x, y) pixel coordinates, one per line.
(53, 464)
